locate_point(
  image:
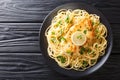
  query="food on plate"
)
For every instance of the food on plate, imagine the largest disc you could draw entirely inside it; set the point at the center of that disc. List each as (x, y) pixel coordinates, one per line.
(76, 39)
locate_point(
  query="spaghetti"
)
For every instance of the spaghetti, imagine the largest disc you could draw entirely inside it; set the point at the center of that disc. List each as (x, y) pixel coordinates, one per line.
(76, 39)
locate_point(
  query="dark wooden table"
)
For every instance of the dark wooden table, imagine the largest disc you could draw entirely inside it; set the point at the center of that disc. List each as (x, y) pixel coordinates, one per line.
(20, 55)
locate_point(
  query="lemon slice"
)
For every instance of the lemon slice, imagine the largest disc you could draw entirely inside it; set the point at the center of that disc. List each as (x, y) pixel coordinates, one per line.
(78, 38)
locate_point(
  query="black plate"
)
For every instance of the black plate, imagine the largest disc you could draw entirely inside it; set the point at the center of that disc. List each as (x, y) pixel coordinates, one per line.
(44, 44)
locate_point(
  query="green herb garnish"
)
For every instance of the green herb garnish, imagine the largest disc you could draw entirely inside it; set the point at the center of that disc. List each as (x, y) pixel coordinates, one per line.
(53, 33)
(82, 50)
(69, 52)
(62, 39)
(61, 59)
(96, 31)
(85, 31)
(53, 39)
(93, 52)
(93, 23)
(61, 31)
(93, 61)
(89, 50)
(97, 36)
(78, 30)
(85, 63)
(67, 19)
(96, 45)
(59, 23)
(79, 37)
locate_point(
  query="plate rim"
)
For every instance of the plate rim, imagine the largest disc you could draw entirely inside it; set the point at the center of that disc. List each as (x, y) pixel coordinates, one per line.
(107, 53)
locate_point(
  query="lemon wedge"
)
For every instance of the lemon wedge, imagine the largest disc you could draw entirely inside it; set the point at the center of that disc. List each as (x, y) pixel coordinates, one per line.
(78, 38)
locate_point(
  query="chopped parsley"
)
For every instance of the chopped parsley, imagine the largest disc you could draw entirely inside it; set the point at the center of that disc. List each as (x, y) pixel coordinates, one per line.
(69, 52)
(96, 31)
(53, 33)
(96, 46)
(82, 50)
(93, 23)
(67, 19)
(79, 37)
(85, 63)
(61, 31)
(78, 30)
(53, 39)
(93, 61)
(62, 39)
(61, 59)
(93, 52)
(98, 36)
(89, 50)
(85, 31)
(59, 23)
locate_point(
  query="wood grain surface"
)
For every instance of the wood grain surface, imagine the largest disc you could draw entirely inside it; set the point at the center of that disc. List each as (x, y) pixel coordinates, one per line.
(36, 10)
(24, 37)
(20, 55)
(29, 67)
